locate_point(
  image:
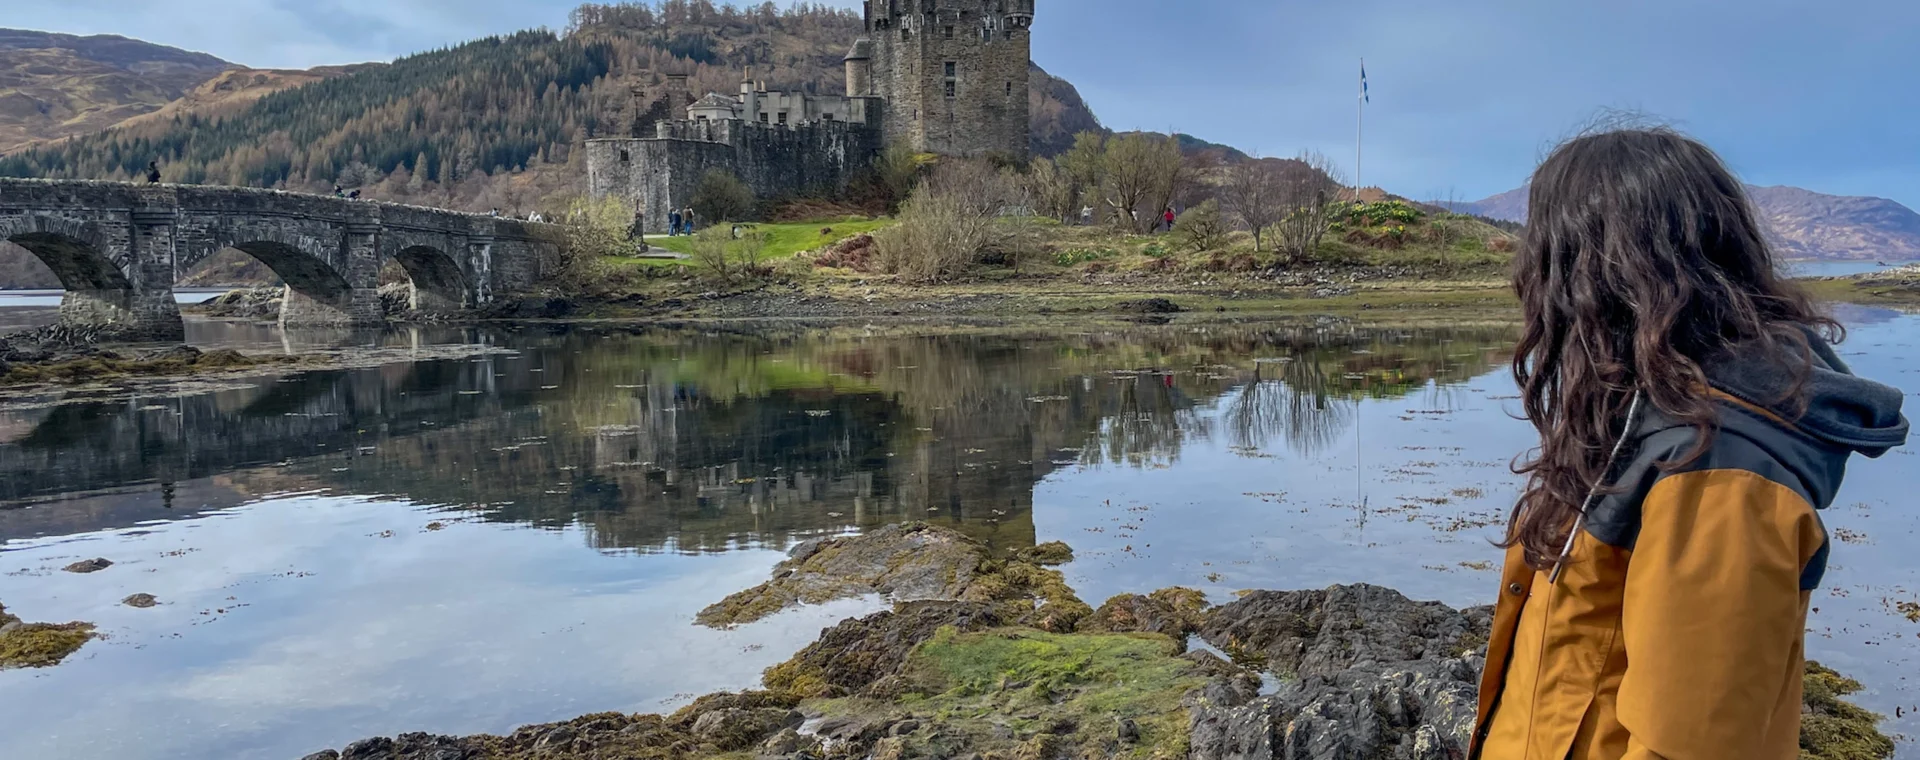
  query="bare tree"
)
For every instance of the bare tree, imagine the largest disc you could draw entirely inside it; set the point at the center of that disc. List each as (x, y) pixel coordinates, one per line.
(1143, 171)
(1252, 196)
(1308, 195)
(1051, 190)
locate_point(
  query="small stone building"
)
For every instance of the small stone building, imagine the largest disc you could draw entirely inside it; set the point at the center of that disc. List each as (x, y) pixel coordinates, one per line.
(940, 76)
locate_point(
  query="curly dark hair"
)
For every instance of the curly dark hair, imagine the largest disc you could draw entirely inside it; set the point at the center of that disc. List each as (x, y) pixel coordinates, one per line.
(1642, 260)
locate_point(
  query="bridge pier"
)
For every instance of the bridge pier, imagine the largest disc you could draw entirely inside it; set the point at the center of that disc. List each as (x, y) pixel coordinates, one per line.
(155, 314)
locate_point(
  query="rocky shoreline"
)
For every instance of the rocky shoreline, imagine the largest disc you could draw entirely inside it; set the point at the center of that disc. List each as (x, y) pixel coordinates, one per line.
(991, 658)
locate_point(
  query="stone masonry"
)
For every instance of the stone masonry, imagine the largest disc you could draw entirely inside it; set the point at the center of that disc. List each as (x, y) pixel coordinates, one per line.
(938, 76)
(118, 248)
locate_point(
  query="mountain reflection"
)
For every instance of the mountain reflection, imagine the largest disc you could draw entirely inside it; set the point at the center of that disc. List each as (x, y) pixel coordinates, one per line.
(696, 441)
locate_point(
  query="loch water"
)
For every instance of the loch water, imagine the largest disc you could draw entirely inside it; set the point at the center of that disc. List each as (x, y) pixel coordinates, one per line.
(524, 534)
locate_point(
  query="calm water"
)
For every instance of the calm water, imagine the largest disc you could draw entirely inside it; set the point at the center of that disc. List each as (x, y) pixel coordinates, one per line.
(470, 545)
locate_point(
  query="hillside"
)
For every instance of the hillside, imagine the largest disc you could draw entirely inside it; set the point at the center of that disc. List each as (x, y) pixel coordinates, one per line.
(56, 85)
(1805, 224)
(491, 123)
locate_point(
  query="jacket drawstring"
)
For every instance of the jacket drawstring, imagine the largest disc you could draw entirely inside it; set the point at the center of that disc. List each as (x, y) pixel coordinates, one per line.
(1593, 494)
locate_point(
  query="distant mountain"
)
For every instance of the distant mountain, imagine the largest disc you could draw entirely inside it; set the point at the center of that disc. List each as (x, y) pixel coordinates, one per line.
(1804, 224)
(57, 85)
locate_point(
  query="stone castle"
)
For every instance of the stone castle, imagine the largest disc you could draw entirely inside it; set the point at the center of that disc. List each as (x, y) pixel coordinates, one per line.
(939, 76)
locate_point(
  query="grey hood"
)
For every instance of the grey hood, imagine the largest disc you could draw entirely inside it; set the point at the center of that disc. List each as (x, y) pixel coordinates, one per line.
(1842, 409)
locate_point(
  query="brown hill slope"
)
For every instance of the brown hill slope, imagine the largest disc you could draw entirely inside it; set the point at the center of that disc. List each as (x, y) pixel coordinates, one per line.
(1805, 224)
(57, 85)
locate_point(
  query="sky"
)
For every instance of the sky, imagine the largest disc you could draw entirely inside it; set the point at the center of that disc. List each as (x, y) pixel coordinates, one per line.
(1466, 97)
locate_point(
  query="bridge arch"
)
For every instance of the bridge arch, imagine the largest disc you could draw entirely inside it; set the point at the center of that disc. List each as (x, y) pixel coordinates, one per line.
(438, 284)
(99, 290)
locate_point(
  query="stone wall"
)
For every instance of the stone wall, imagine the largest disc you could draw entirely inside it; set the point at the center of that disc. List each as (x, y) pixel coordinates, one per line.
(661, 173)
(118, 247)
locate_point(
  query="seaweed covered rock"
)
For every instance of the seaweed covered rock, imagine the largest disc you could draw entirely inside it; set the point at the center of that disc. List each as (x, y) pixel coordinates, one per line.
(1321, 633)
(860, 653)
(1175, 612)
(912, 562)
(38, 645)
(903, 562)
(1831, 729)
(1049, 553)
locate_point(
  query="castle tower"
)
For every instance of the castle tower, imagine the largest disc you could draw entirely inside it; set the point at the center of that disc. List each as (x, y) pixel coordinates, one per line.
(953, 73)
(860, 69)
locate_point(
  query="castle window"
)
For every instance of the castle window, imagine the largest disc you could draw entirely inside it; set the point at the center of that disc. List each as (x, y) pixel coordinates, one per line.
(953, 69)
(950, 88)
(783, 118)
(826, 117)
(763, 117)
(947, 32)
(625, 157)
(1009, 88)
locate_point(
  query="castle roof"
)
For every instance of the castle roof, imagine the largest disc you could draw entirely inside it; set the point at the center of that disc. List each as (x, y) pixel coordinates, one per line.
(862, 50)
(716, 100)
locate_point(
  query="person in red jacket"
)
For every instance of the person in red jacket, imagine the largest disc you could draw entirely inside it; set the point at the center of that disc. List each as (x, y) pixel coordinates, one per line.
(1169, 217)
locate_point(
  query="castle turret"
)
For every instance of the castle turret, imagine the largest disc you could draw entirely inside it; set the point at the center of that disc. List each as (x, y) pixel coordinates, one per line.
(860, 69)
(953, 73)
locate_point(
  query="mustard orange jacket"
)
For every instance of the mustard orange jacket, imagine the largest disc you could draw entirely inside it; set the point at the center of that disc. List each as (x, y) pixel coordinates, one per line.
(1676, 627)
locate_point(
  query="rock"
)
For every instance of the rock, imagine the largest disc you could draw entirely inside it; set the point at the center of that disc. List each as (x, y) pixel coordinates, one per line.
(245, 303)
(88, 566)
(325, 754)
(142, 601)
(858, 653)
(1049, 553)
(1408, 711)
(41, 645)
(1175, 612)
(1149, 306)
(903, 562)
(1322, 633)
(735, 729)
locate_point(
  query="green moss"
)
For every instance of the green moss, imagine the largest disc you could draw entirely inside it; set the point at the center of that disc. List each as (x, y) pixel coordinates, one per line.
(1832, 729)
(40, 645)
(1071, 688)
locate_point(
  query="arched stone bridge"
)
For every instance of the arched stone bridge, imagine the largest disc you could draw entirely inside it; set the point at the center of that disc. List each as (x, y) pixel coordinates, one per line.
(118, 248)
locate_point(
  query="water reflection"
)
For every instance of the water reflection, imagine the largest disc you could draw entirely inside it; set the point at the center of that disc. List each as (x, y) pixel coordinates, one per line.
(691, 442)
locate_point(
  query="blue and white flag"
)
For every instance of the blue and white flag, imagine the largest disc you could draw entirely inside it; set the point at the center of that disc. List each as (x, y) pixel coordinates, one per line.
(1364, 97)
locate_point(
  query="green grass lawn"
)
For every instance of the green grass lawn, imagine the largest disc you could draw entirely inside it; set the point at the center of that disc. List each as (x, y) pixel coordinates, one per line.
(787, 239)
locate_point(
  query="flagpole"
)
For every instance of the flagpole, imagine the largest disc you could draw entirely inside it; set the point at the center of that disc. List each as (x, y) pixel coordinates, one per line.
(1360, 130)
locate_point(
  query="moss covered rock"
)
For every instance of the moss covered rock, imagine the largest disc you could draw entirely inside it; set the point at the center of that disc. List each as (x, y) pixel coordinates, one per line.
(39, 645)
(904, 562)
(1831, 729)
(1175, 612)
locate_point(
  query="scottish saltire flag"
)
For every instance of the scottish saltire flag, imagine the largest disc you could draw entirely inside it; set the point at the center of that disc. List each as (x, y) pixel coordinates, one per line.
(1364, 97)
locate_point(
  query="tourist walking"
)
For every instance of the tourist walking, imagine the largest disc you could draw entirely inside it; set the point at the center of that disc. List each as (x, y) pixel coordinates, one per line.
(1694, 419)
(673, 223)
(1169, 217)
(686, 217)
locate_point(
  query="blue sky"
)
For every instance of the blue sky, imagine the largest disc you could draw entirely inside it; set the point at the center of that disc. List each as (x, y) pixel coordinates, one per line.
(1466, 96)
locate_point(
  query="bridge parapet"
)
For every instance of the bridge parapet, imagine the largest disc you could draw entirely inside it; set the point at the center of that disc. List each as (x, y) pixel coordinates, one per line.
(118, 248)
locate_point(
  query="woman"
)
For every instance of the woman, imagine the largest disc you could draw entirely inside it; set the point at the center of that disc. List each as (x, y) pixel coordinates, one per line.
(1693, 420)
